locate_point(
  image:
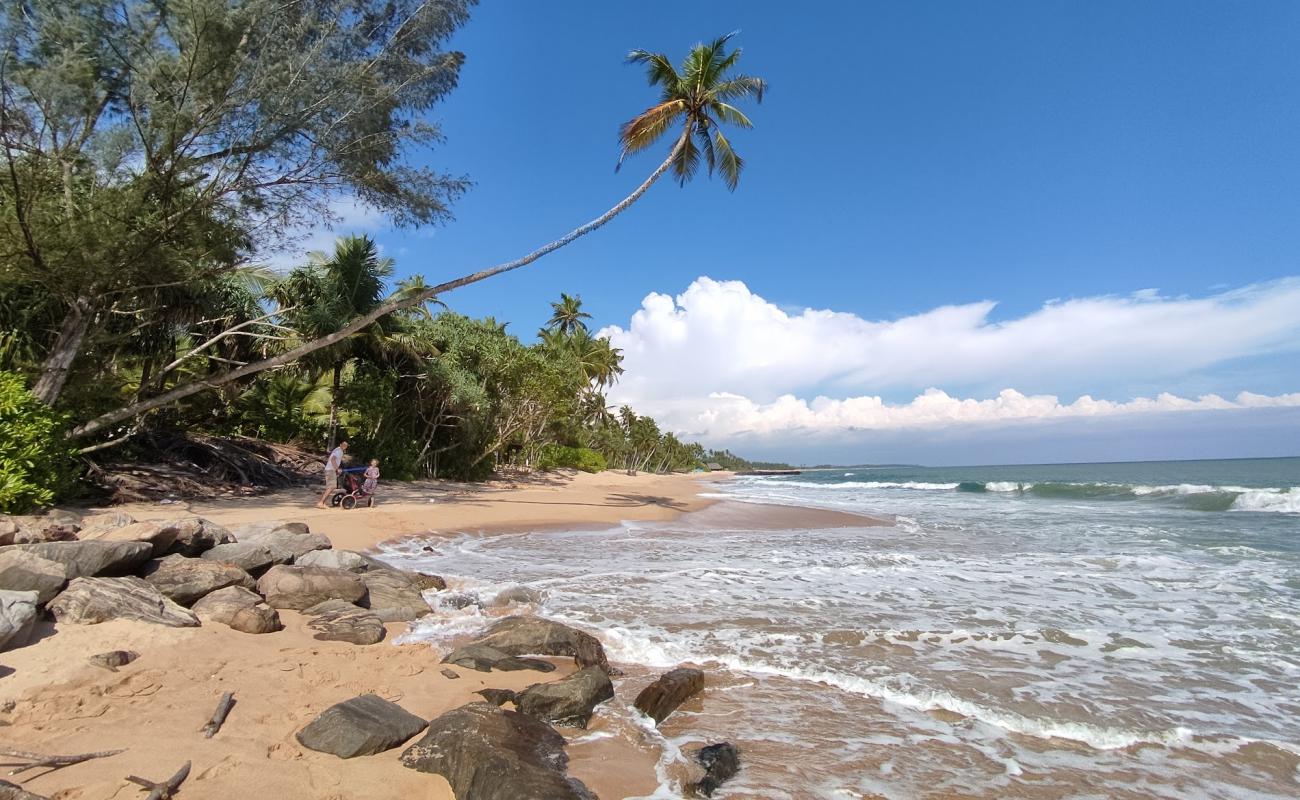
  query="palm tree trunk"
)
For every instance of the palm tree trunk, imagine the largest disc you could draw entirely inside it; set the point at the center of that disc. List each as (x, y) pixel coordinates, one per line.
(334, 402)
(186, 390)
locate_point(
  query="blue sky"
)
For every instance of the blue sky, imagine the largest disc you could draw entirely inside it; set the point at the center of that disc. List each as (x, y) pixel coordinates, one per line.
(908, 157)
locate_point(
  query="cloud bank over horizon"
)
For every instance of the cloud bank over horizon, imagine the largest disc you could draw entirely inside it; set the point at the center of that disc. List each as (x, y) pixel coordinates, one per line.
(719, 362)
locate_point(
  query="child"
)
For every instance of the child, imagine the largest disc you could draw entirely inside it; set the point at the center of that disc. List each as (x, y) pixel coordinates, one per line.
(372, 478)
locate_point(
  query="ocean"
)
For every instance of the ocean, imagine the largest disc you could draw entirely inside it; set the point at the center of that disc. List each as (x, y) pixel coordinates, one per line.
(1053, 631)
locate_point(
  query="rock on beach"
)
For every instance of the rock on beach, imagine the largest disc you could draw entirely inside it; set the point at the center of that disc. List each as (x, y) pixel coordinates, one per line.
(488, 753)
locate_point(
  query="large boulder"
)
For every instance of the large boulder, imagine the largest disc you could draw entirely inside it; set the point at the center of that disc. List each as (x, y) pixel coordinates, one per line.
(185, 580)
(88, 601)
(95, 525)
(338, 621)
(536, 635)
(488, 753)
(196, 535)
(160, 535)
(300, 588)
(485, 659)
(52, 526)
(26, 572)
(662, 697)
(251, 530)
(90, 559)
(394, 595)
(361, 726)
(568, 701)
(718, 763)
(238, 608)
(251, 557)
(334, 559)
(17, 618)
(289, 546)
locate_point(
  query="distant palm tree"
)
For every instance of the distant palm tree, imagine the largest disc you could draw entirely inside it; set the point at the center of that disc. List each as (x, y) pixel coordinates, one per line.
(332, 290)
(568, 315)
(698, 97)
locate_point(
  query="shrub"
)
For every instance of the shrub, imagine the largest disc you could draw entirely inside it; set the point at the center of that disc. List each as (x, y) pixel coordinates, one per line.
(554, 456)
(36, 462)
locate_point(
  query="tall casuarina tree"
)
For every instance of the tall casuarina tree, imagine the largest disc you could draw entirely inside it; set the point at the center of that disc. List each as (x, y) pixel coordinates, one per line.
(698, 97)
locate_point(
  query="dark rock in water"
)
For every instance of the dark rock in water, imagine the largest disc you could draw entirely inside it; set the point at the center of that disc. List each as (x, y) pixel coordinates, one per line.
(87, 559)
(240, 609)
(12, 791)
(536, 635)
(186, 580)
(486, 659)
(27, 572)
(251, 557)
(395, 596)
(488, 753)
(429, 582)
(17, 618)
(568, 701)
(299, 588)
(720, 761)
(519, 595)
(339, 621)
(662, 697)
(113, 659)
(458, 600)
(88, 601)
(361, 726)
(498, 697)
(450, 674)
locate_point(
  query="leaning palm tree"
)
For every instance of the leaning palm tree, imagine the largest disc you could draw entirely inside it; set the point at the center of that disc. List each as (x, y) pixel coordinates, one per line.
(568, 316)
(699, 97)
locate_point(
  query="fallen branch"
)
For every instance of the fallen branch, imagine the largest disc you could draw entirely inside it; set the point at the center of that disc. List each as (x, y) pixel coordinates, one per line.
(219, 716)
(166, 790)
(39, 760)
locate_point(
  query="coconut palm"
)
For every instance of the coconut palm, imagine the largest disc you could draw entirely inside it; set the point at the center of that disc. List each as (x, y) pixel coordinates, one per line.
(699, 97)
(330, 291)
(568, 315)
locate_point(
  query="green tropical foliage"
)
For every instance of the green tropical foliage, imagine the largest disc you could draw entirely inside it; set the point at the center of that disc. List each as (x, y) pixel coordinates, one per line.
(35, 462)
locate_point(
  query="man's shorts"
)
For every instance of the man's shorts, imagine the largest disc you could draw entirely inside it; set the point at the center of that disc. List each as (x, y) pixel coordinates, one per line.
(331, 480)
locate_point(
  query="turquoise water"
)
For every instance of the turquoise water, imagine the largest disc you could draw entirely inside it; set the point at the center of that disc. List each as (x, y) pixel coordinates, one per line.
(1048, 631)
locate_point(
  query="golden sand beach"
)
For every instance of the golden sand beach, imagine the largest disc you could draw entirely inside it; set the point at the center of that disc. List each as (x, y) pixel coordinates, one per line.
(53, 701)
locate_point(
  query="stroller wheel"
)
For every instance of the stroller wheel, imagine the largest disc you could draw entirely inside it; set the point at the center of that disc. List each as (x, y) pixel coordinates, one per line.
(349, 502)
(336, 498)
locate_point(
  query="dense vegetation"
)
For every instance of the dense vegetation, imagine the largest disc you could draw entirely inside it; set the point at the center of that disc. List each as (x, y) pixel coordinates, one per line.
(154, 149)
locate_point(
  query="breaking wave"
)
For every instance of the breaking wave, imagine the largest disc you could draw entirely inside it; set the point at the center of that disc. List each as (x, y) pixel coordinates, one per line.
(1193, 496)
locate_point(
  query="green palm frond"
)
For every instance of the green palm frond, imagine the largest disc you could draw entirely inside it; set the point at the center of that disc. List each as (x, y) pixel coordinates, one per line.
(698, 96)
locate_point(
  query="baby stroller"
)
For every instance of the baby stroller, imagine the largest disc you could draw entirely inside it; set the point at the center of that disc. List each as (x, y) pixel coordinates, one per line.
(352, 491)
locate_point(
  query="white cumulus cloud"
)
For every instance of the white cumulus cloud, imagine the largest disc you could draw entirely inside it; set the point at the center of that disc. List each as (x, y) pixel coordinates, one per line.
(718, 360)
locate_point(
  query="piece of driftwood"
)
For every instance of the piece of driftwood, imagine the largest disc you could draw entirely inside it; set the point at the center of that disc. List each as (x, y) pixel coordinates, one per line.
(165, 790)
(39, 760)
(219, 716)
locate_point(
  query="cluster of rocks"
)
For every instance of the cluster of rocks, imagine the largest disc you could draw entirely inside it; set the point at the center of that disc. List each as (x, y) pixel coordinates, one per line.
(189, 571)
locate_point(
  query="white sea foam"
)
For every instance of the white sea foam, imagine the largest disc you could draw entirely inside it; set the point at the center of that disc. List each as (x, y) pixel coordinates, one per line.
(1274, 500)
(1006, 486)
